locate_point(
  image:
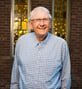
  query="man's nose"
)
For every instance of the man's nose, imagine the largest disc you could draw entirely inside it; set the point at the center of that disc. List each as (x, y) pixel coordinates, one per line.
(42, 22)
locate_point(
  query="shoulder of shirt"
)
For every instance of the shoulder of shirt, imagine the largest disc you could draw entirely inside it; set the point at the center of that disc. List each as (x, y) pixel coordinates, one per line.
(26, 36)
(56, 38)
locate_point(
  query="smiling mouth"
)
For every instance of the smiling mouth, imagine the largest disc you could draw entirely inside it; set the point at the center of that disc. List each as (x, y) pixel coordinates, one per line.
(42, 28)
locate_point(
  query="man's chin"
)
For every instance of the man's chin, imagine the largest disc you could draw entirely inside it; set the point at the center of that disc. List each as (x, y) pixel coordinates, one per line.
(42, 34)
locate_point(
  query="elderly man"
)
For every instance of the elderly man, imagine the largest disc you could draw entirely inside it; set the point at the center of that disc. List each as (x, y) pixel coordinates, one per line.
(41, 59)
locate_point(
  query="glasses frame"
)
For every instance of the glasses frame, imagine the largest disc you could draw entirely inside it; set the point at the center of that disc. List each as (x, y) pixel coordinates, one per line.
(38, 20)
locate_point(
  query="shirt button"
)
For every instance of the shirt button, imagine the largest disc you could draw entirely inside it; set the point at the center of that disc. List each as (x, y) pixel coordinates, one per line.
(37, 61)
(36, 72)
(39, 51)
(35, 83)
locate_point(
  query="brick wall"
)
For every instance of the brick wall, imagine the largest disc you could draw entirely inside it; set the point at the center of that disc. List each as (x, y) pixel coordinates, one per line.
(76, 43)
(5, 27)
(45, 3)
(5, 44)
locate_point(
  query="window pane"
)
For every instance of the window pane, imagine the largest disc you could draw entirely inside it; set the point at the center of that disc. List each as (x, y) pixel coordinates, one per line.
(59, 25)
(20, 18)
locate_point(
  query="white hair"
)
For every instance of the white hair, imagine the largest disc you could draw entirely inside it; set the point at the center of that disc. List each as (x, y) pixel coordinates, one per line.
(40, 7)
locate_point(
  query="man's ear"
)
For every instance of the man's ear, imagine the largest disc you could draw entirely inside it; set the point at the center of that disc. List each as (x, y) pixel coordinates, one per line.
(30, 24)
(51, 23)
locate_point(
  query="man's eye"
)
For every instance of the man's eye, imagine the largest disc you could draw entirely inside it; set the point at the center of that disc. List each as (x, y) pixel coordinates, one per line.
(38, 19)
(45, 19)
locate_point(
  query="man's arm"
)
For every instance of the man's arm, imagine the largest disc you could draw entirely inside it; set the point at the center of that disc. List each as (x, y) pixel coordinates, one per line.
(15, 74)
(66, 72)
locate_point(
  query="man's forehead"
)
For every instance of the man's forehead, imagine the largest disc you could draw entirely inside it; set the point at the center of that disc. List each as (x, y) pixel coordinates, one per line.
(39, 12)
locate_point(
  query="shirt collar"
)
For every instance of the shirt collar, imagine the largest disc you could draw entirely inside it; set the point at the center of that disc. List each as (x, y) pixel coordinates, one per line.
(36, 42)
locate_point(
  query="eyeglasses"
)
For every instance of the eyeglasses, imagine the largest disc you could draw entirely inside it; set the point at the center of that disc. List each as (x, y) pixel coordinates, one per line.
(45, 20)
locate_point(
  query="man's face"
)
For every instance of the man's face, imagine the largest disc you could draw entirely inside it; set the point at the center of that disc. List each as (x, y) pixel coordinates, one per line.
(41, 22)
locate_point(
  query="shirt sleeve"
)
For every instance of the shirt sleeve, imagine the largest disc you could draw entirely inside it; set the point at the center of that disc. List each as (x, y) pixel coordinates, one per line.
(15, 74)
(66, 72)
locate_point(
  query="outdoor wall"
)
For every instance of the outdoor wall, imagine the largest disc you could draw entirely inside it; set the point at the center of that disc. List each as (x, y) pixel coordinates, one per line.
(75, 41)
(45, 3)
(5, 68)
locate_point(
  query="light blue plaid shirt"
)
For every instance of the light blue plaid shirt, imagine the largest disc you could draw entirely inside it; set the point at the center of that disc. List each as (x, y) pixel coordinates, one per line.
(44, 65)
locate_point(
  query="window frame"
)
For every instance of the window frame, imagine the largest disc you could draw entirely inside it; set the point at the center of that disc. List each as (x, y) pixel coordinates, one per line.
(68, 15)
(12, 26)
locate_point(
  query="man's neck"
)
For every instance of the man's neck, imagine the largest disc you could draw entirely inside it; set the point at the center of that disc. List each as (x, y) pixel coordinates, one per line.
(41, 38)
